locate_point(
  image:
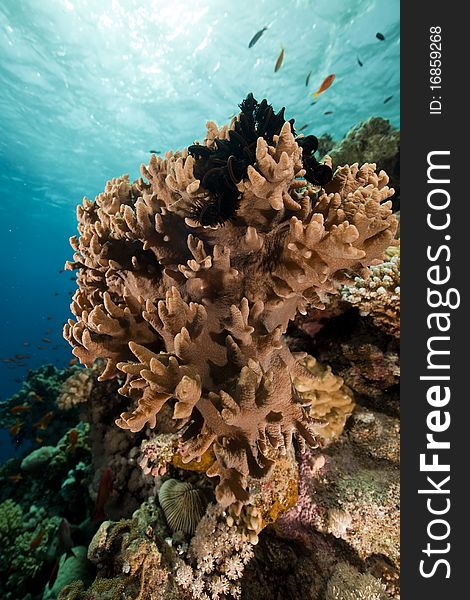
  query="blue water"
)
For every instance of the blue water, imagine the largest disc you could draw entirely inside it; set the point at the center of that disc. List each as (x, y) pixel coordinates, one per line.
(87, 88)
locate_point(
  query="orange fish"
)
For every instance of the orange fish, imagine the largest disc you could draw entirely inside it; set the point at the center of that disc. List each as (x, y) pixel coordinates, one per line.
(73, 437)
(105, 489)
(325, 85)
(44, 421)
(22, 356)
(37, 540)
(19, 408)
(16, 428)
(47, 340)
(35, 397)
(15, 478)
(74, 361)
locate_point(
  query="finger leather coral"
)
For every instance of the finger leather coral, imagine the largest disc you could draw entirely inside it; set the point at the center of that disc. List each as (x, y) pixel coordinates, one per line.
(189, 276)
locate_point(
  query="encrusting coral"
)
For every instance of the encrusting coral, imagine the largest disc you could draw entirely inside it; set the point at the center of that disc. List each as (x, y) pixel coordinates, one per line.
(188, 281)
(330, 399)
(379, 295)
(75, 389)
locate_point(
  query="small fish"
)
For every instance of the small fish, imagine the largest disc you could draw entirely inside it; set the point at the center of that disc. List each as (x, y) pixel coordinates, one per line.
(388, 99)
(39, 347)
(72, 362)
(105, 489)
(15, 478)
(359, 62)
(22, 356)
(19, 408)
(280, 60)
(328, 112)
(302, 128)
(232, 116)
(56, 293)
(46, 340)
(325, 85)
(380, 36)
(37, 540)
(61, 270)
(48, 331)
(35, 397)
(73, 438)
(39, 440)
(256, 37)
(16, 428)
(44, 421)
(26, 344)
(155, 151)
(49, 317)
(308, 79)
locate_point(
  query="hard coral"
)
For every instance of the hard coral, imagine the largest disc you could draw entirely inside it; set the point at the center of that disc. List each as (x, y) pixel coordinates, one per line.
(379, 295)
(75, 389)
(193, 312)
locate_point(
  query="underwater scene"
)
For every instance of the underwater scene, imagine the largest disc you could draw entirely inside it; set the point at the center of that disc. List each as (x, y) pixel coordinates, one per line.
(199, 348)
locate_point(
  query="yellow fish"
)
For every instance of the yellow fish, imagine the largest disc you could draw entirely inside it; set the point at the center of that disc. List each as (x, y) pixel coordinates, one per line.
(279, 60)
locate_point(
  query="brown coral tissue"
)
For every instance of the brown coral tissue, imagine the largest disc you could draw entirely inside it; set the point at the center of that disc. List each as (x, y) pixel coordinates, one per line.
(188, 277)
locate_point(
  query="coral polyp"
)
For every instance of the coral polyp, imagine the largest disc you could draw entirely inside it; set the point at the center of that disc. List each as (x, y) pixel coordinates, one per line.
(189, 276)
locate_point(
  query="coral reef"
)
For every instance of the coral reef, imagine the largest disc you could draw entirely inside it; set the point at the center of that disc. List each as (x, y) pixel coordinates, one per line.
(130, 557)
(348, 584)
(71, 568)
(31, 414)
(330, 399)
(114, 451)
(25, 540)
(216, 559)
(351, 491)
(188, 281)
(379, 295)
(75, 389)
(372, 140)
(364, 356)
